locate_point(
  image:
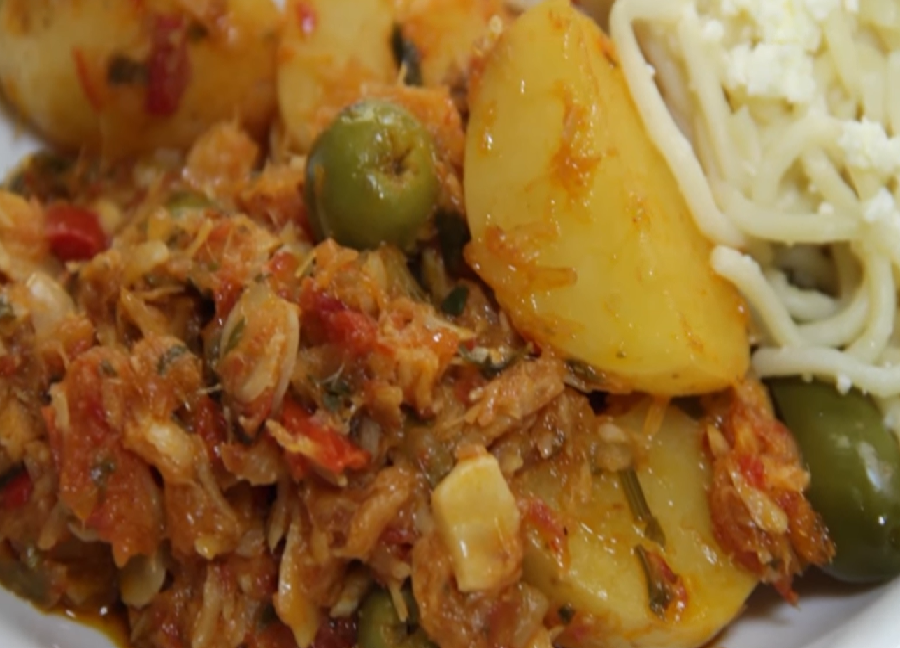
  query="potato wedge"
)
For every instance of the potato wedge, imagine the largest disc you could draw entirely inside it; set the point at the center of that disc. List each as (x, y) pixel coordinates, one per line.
(577, 223)
(604, 580)
(330, 49)
(120, 78)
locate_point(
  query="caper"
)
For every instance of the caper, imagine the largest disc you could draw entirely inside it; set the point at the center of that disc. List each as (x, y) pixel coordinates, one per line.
(380, 625)
(854, 466)
(371, 177)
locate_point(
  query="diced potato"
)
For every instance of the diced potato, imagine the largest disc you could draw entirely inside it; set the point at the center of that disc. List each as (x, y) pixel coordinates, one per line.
(577, 223)
(125, 77)
(478, 522)
(330, 50)
(604, 580)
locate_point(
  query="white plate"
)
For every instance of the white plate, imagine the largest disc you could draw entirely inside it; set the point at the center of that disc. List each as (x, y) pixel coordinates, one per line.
(828, 616)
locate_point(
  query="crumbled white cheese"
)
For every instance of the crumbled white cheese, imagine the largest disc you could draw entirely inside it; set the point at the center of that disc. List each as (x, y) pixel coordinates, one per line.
(772, 56)
(880, 208)
(771, 70)
(821, 9)
(794, 22)
(713, 31)
(866, 146)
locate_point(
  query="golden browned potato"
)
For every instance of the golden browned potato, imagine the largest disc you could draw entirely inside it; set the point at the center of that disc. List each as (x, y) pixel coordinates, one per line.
(330, 49)
(577, 223)
(123, 77)
(604, 585)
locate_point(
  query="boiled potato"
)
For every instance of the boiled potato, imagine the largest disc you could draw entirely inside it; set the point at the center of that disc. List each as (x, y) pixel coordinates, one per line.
(330, 50)
(577, 223)
(445, 31)
(124, 77)
(604, 579)
(335, 52)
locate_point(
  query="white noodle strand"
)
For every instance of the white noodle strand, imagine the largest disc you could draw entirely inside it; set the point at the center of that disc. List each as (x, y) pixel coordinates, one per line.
(792, 169)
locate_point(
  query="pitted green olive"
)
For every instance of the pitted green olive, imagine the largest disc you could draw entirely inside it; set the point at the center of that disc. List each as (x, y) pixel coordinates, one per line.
(371, 178)
(380, 625)
(854, 466)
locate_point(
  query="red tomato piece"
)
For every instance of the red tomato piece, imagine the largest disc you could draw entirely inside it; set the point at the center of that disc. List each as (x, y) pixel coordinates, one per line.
(307, 17)
(168, 68)
(337, 633)
(337, 324)
(73, 233)
(17, 492)
(330, 449)
(754, 471)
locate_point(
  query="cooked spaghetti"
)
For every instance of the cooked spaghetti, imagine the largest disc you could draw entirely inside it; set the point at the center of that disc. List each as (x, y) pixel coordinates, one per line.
(785, 137)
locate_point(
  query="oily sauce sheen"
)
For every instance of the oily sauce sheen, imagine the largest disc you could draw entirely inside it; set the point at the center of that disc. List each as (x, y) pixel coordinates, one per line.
(111, 622)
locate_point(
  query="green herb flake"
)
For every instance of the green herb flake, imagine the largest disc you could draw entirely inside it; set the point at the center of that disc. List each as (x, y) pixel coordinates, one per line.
(43, 175)
(170, 356)
(335, 391)
(492, 362)
(566, 613)
(332, 402)
(454, 304)
(122, 70)
(11, 475)
(453, 235)
(107, 369)
(234, 338)
(101, 472)
(267, 616)
(407, 56)
(197, 32)
(7, 312)
(584, 371)
(185, 201)
(661, 592)
(637, 502)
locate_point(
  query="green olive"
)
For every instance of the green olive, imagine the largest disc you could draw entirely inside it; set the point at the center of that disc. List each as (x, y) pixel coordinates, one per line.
(371, 177)
(854, 467)
(380, 625)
